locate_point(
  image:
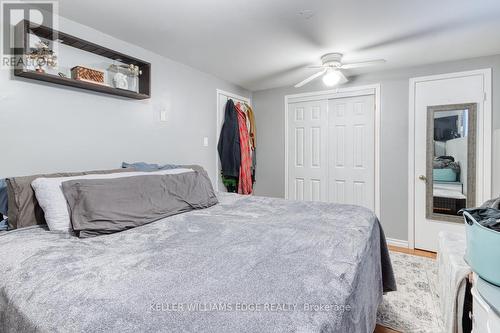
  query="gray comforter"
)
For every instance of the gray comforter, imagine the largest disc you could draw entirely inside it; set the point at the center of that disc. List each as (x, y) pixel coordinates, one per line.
(248, 264)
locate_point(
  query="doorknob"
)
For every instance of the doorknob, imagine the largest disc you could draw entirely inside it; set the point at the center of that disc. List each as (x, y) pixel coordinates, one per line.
(422, 177)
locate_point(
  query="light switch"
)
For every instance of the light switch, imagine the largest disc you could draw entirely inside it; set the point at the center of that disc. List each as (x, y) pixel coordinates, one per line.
(163, 115)
(205, 142)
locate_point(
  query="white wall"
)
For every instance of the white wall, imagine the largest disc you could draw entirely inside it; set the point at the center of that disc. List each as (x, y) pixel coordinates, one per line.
(47, 128)
(496, 162)
(269, 109)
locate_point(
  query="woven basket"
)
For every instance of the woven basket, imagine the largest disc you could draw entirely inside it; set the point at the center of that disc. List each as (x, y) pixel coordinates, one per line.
(87, 74)
(483, 250)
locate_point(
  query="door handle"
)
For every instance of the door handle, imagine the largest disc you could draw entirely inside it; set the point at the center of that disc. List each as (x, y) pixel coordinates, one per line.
(422, 177)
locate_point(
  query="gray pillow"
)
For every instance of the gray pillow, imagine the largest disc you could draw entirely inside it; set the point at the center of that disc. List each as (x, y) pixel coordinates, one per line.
(105, 206)
(142, 166)
(3, 198)
(24, 210)
(147, 167)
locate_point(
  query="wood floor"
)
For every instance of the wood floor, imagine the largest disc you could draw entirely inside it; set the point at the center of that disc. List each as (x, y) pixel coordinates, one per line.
(382, 329)
(420, 253)
(415, 252)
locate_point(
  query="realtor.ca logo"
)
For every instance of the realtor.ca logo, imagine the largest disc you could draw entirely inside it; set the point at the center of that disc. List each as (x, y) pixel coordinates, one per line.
(21, 45)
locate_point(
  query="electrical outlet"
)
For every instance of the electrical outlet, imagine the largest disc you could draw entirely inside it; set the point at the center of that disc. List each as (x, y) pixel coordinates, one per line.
(205, 142)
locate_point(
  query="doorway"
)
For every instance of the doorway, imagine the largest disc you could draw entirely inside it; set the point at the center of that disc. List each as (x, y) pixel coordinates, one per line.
(449, 152)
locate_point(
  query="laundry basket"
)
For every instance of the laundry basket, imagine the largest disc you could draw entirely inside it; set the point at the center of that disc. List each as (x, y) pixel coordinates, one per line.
(483, 249)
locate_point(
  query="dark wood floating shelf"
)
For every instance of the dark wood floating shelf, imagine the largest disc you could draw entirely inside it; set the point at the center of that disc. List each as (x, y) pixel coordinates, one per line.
(79, 84)
(24, 28)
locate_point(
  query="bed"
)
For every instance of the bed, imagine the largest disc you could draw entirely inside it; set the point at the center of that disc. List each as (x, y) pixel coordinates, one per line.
(247, 264)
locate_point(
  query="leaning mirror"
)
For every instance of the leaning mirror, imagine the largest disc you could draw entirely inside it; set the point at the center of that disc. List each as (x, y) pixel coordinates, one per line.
(451, 161)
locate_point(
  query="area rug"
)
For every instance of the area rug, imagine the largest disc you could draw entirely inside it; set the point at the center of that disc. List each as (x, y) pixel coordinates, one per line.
(414, 308)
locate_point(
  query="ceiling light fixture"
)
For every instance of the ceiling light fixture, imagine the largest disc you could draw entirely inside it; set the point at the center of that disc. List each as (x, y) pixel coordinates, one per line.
(332, 78)
(332, 67)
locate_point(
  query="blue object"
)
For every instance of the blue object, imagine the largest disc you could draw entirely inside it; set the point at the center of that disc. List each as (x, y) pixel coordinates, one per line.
(3, 198)
(490, 293)
(143, 166)
(483, 250)
(4, 225)
(444, 175)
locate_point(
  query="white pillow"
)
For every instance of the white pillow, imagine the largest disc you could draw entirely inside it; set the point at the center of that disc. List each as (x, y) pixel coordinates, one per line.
(51, 198)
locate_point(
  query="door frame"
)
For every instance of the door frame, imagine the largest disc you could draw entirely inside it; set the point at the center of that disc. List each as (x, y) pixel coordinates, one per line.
(484, 135)
(372, 89)
(218, 127)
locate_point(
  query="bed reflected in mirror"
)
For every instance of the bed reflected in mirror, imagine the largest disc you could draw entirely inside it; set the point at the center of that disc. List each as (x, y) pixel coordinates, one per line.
(451, 161)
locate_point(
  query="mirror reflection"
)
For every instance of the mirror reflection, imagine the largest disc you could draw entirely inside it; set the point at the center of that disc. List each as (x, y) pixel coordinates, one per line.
(451, 151)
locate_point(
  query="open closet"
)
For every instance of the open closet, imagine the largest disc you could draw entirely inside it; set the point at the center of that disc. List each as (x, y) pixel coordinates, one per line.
(236, 144)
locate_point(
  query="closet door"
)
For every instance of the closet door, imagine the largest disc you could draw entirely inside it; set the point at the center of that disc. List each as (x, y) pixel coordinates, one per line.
(307, 150)
(351, 151)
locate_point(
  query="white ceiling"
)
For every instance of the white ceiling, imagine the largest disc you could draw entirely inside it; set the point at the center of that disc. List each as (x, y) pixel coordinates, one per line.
(260, 44)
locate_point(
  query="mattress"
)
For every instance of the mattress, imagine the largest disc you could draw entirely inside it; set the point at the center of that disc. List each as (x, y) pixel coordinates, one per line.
(248, 264)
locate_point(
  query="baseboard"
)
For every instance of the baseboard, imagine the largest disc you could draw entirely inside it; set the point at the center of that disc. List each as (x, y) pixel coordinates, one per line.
(397, 242)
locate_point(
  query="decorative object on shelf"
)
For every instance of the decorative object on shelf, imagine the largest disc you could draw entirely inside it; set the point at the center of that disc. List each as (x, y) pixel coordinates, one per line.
(126, 76)
(120, 81)
(61, 74)
(43, 56)
(135, 70)
(132, 70)
(81, 73)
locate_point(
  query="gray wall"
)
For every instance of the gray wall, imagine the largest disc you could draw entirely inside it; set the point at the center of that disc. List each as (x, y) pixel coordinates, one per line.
(269, 108)
(47, 128)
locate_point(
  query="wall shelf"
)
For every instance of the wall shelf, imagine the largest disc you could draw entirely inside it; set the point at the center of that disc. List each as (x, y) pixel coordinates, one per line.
(25, 28)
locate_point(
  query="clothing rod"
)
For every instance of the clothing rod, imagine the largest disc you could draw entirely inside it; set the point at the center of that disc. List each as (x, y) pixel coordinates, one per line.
(238, 100)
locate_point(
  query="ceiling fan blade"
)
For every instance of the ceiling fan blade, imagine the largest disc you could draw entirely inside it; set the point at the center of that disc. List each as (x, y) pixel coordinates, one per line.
(343, 79)
(363, 64)
(316, 67)
(310, 78)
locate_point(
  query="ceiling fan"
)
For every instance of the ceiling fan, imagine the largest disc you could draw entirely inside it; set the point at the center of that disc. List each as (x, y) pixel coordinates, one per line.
(331, 69)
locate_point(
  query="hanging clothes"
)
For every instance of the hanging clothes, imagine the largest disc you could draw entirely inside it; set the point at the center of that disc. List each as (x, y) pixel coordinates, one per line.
(229, 143)
(252, 131)
(230, 183)
(245, 179)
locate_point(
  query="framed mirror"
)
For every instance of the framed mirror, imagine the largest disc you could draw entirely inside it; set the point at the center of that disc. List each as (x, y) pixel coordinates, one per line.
(451, 161)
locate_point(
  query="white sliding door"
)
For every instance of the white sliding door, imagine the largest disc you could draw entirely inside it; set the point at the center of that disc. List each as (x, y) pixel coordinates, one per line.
(307, 151)
(351, 150)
